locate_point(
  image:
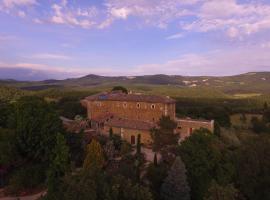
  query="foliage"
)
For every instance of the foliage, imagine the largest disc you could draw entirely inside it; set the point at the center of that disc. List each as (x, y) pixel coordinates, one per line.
(218, 192)
(125, 148)
(156, 174)
(117, 141)
(175, 185)
(36, 125)
(120, 88)
(70, 107)
(164, 134)
(266, 116)
(253, 168)
(94, 156)
(123, 189)
(11, 94)
(5, 110)
(27, 177)
(205, 160)
(58, 164)
(76, 147)
(138, 145)
(7, 147)
(258, 126)
(109, 150)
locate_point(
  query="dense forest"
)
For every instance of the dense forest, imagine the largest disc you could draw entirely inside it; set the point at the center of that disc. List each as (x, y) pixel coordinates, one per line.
(38, 154)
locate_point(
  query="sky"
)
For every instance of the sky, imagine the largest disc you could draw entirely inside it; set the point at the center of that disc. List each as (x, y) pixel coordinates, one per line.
(57, 39)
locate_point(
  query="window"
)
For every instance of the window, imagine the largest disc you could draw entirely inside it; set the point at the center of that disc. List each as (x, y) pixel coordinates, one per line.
(138, 105)
(153, 106)
(125, 105)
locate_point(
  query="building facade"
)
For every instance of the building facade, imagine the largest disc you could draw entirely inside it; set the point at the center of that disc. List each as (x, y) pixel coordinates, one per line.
(130, 115)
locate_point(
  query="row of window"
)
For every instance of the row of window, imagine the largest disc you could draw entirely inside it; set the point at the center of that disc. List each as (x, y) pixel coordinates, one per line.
(153, 106)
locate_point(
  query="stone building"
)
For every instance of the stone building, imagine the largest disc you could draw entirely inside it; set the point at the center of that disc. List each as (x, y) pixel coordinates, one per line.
(129, 115)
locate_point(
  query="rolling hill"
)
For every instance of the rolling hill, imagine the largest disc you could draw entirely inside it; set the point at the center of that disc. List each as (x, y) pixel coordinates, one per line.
(253, 83)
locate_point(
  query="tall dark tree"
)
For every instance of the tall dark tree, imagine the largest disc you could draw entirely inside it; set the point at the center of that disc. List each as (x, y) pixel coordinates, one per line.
(175, 186)
(94, 156)
(265, 106)
(138, 145)
(218, 192)
(253, 168)
(120, 88)
(58, 165)
(36, 125)
(164, 135)
(205, 160)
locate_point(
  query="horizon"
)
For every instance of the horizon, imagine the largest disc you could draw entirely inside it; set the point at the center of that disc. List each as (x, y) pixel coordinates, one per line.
(115, 76)
(61, 39)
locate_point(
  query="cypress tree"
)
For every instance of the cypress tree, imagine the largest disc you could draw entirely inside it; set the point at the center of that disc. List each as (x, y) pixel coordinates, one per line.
(175, 186)
(155, 160)
(138, 145)
(94, 156)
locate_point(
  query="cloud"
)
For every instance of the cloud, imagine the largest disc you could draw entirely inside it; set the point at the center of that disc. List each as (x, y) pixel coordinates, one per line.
(64, 15)
(175, 36)
(220, 62)
(15, 3)
(21, 14)
(236, 19)
(51, 56)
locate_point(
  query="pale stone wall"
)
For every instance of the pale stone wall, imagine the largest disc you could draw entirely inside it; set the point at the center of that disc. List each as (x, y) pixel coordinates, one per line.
(126, 134)
(185, 127)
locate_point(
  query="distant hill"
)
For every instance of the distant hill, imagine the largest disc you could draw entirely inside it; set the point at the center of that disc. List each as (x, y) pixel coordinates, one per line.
(253, 82)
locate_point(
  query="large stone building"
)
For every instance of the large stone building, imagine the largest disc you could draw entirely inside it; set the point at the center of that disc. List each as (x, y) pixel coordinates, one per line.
(132, 114)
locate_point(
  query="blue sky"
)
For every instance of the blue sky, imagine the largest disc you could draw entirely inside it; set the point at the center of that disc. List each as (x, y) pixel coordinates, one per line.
(70, 38)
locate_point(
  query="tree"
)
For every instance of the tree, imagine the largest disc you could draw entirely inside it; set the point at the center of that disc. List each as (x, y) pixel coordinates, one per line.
(94, 156)
(58, 164)
(124, 189)
(7, 147)
(155, 160)
(109, 150)
(175, 186)
(5, 110)
(205, 159)
(258, 126)
(266, 116)
(70, 108)
(120, 88)
(126, 148)
(164, 135)
(243, 118)
(217, 129)
(156, 174)
(36, 125)
(138, 145)
(265, 106)
(218, 192)
(111, 133)
(253, 168)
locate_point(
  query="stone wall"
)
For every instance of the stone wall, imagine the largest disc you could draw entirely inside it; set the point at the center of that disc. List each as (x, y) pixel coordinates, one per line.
(143, 111)
(185, 127)
(127, 134)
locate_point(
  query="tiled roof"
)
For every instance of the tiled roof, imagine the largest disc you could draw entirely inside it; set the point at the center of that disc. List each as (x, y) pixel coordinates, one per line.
(194, 120)
(131, 124)
(130, 97)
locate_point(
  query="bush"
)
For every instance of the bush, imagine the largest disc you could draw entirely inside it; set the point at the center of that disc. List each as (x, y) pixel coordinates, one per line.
(28, 177)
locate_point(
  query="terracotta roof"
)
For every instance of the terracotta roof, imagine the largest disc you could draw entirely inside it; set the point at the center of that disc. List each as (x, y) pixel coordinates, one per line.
(129, 97)
(194, 120)
(131, 124)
